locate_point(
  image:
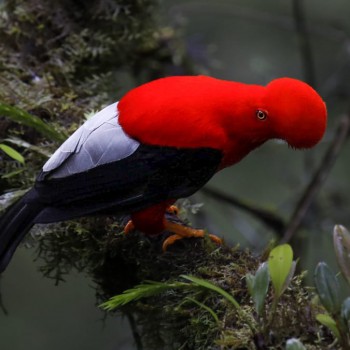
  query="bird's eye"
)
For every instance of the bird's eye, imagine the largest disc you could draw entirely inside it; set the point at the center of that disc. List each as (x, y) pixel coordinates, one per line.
(261, 115)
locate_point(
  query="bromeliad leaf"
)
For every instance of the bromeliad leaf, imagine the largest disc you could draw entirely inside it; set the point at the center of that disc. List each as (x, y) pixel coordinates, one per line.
(280, 263)
(327, 288)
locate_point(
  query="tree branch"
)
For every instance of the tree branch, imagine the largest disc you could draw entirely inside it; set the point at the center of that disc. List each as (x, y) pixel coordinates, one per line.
(267, 217)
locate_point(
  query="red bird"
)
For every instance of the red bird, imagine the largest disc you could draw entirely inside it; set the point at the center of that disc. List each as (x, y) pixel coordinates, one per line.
(164, 140)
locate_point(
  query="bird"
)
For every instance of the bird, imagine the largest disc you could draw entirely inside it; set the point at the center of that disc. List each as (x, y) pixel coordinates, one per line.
(162, 141)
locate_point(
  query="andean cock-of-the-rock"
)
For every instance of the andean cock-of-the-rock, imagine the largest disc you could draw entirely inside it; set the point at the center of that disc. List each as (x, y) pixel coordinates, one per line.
(162, 141)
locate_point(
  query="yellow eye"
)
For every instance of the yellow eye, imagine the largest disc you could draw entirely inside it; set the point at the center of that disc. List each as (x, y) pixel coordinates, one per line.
(261, 115)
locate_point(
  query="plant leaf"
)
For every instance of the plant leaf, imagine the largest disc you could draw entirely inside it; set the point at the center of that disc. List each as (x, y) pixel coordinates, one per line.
(345, 311)
(294, 344)
(329, 322)
(20, 116)
(21, 143)
(12, 174)
(12, 153)
(208, 285)
(327, 288)
(258, 286)
(141, 291)
(341, 241)
(289, 277)
(205, 307)
(280, 264)
(250, 280)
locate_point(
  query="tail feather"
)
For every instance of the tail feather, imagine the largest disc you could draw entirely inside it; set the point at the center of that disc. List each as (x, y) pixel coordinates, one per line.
(15, 223)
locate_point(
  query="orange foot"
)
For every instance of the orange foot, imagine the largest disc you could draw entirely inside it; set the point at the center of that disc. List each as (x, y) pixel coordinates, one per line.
(181, 232)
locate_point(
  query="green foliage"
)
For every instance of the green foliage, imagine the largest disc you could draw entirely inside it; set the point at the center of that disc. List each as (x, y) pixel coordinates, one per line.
(281, 267)
(258, 286)
(144, 290)
(345, 312)
(12, 153)
(210, 286)
(329, 322)
(341, 241)
(337, 314)
(204, 307)
(22, 117)
(268, 320)
(328, 288)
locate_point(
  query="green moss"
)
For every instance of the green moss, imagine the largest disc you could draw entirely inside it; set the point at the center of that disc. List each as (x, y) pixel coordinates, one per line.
(171, 320)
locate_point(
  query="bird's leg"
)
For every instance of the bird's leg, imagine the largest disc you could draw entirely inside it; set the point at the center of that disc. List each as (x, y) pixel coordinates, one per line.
(171, 209)
(152, 221)
(181, 232)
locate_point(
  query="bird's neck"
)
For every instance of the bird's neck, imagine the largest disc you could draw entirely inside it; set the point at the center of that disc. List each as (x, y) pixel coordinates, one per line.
(236, 151)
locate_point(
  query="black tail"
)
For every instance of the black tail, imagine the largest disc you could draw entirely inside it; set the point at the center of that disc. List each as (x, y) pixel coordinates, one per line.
(15, 223)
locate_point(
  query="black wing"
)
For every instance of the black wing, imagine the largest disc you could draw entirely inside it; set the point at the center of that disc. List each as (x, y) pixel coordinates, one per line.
(148, 176)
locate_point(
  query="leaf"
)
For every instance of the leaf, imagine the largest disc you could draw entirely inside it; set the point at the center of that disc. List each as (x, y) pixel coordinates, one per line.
(341, 241)
(141, 291)
(294, 344)
(258, 286)
(208, 285)
(327, 288)
(12, 174)
(250, 279)
(345, 311)
(280, 264)
(329, 322)
(12, 153)
(205, 307)
(289, 277)
(20, 116)
(21, 143)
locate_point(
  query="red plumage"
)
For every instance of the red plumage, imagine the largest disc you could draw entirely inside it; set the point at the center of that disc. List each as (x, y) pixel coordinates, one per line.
(200, 111)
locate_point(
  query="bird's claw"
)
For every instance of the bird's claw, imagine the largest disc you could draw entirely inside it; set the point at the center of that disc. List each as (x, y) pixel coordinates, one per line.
(173, 209)
(129, 227)
(181, 232)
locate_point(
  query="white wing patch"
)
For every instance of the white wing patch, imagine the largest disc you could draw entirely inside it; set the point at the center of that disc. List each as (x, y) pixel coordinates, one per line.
(98, 141)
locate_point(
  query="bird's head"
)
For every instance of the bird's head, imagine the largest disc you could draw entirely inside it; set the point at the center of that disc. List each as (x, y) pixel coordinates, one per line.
(295, 112)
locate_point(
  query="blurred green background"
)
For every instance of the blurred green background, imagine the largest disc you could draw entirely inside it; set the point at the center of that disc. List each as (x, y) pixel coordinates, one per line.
(250, 41)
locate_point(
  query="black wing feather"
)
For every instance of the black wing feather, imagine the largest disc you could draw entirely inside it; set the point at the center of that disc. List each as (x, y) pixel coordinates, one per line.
(150, 175)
